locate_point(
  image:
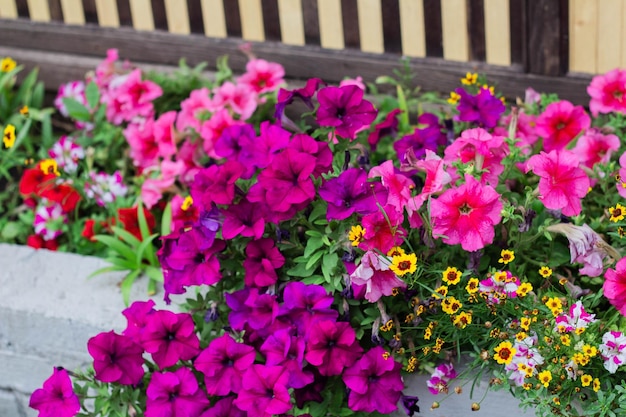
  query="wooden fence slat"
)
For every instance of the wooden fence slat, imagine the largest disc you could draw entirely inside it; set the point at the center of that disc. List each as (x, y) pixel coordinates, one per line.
(497, 32)
(141, 11)
(331, 26)
(583, 40)
(39, 10)
(271, 20)
(251, 20)
(213, 16)
(476, 30)
(291, 22)
(609, 34)
(350, 22)
(107, 13)
(22, 9)
(623, 65)
(91, 11)
(370, 26)
(454, 24)
(412, 27)
(73, 13)
(177, 16)
(8, 9)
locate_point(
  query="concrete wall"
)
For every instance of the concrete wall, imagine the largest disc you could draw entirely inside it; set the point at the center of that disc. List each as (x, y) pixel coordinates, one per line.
(48, 311)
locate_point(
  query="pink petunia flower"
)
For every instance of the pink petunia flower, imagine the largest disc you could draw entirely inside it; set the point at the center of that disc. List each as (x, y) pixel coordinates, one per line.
(560, 123)
(116, 358)
(608, 92)
(194, 109)
(105, 188)
(173, 394)
(240, 98)
(615, 286)
(49, 221)
(67, 153)
(263, 76)
(332, 346)
(594, 147)
(374, 273)
(613, 350)
(262, 260)
(383, 229)
(438, 381)
(56, 398)
(264, 391)
(170, 337)
(467, 215)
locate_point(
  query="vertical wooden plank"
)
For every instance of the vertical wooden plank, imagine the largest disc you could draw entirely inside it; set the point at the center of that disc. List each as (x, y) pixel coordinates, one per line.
(232, 18)
(8, 10)
(610, 25)
(454, 30)
(73, 13)
(56, 11)
(291, 22)
(22, 8)
(177, 16)
(251, 20)
(518, 32)
(39, 10)
(476, 29)
(497, 32)
(310, 17)
(583, 31)
(159, 14)
(213, 16)
(370, 26)
(196, 21)
(433, 31)
(124, 12)
(392, 34)
(350, 21)
(623, 36)
(91, 12)
(271, 20)
(331, 27)
(141, 11)
(107, 13)
(412, 28)
(547, 37)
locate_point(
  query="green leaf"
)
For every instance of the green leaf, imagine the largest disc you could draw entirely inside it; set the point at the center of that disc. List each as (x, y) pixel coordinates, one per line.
(117, 246)
(300, 270)
(24, 92)
(76, 110)
(312, 245)
(154, 273)
(106, 269)
(143, 247)
(126, 236)
(127, 284)
(166, 220)
(315, 258)
(92, 94)
(10, 230)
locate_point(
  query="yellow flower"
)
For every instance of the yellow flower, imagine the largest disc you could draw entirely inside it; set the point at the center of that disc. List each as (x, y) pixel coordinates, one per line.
(440, 292)
(49, 166)
(24, 110)
(504, 353)
(545, 377)
(356, 235)
(524, 289)
(545, 272)
(396, 251)
(506, 256)
(469, 79)
(187, 203)
(438, 345)
(525, 323)
(452, 276)
(565, 340)
(472, 286)
(555, 305)
(462, 319)
(404, 264)
(500, 276)
(9, 136)
(590, 351)
(454, 98)
(617, 213)
(7, 64)
(621, 232)
(451, 305)
(596, 384)
(520, 336)
(586, 380)
(556, 400)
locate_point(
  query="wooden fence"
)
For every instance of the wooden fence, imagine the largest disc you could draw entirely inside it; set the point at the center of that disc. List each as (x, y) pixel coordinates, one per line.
(552, 45)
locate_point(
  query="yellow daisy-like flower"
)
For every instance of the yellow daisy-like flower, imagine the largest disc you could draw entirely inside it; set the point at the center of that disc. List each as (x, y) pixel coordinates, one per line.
(472, 286)
(586, 380)
(454, 98)
(524, 289)
(589, 350)
(565, 340)
(451, 276)
(525, 323)
(556, 400)
(504, 353)
(545, 377)
(438, 345)
(9, 136)
(506, 256)
(555, 305)
(451, 305)
(396, 251)
(545, 272)
(617, 213)
(580, 331)
(596, 384)
(440, 292)
(187, 203)
(356, 235)
(404, 264)
(462, 319)
(500, 276)
(621, 232)
(24, 111)
(49, 166)
(469, 79)
(7, 64)
(519, 336)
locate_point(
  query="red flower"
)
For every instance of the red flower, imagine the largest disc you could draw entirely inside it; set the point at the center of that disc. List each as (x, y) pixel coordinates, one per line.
(34, 180)
(37, 242)
(64, 194)
(130, 221)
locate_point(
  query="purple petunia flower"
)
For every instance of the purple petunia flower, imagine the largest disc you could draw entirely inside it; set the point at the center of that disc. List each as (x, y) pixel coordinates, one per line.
(306, 304)
(170, 337)
(484, 109)
(344, 109)
(234, 145)
(244, 219)
(332, 346)
(410, 404)
(223, 364)
(56, 398)
(262, 260)
(350, 193)
(137, 318)
(320, 150)
(173, 394)
(116, 358)
(375, 383)
(388, 127)
(216, 184)
(284, 349)
(224, 408)
(428, 137)
(264, 392)
(286, 97)
(260, 152)
(249, 307)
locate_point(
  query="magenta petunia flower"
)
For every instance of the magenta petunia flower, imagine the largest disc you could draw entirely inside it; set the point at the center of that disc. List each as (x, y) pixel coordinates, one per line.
(560, 123)
(306, 93)
(263, 76)
(375, 383)
(248, 307)
(216, 184)
(170, 337)
(56, 398)
(264, 391)
(466, 215)
(116, 358)
(244, 219)
(615, 286)
(223, 364)
(262, 260)
(320, 150)
(374, 274)
(344, 109)
(383, 229)
(386, 128)
(594, 147)
(306, 304)
(428, 137)
(608, 92)
(233, 142)
(484, 109)
(224, 408)
(173, 394)
(287, 350)
(332, 346)
(562, 184)
(137, 318)
(260, 152)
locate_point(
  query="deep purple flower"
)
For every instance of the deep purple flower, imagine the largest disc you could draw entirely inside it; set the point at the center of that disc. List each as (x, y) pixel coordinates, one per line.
(284, 349)
(216, 184)
(261, 151)
(56, 398)
(350, 193)
(375, 383)
(137, 317)
(262, 260)
(249, 307)
(224, 408)
(174, 394)
(484, 109)
(170, 337)
(344, 109)
(332, 346)
(312, 392)
(244, 219)
(320, 150)
(116, 358)
(427, 137)
(410, 405)
(223, 364)
(388, 127)
(286, 97)
(235, 144)
(306, 304)
(264, 392)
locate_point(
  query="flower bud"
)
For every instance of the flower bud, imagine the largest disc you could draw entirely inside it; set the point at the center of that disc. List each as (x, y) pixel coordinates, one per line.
(434, 406)
(458, 390)
(475, 406)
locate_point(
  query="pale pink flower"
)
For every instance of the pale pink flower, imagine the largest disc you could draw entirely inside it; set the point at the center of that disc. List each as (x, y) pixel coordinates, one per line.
(613, 350)
(263, 76)
(560, 123)
(374, 273)
(240, 98)
(194, 110)
(608, 92)
(67, 153)
(576, 318)
(358, 81)
(105, 188)
(74, 90)
(49, 221)
(152, 189)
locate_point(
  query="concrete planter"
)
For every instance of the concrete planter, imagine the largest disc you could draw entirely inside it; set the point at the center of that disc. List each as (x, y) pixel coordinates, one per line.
(48, 311)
